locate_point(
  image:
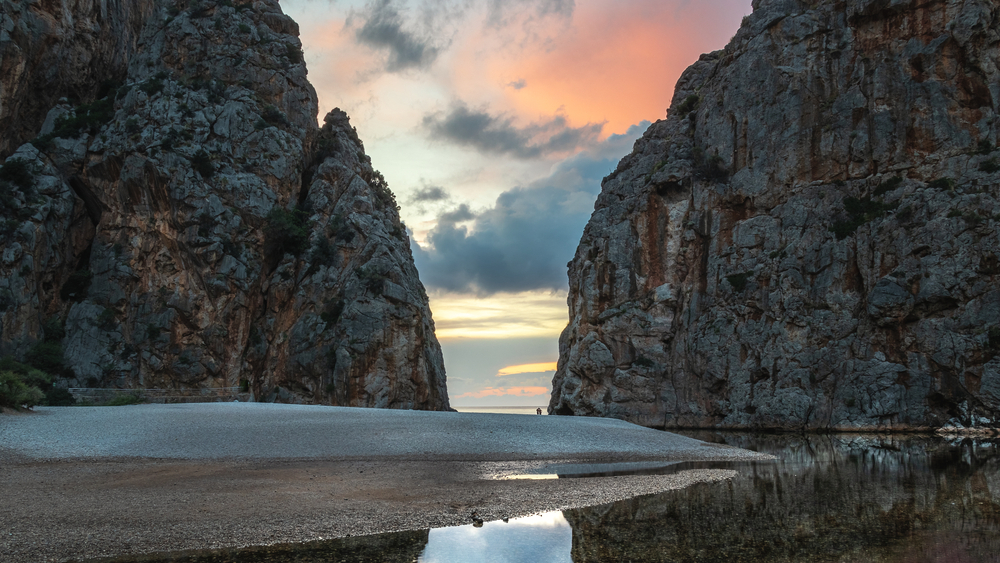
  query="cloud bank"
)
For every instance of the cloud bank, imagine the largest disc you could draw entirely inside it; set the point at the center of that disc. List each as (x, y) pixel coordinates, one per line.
(525, 240)
(498, 135)
(384, 29)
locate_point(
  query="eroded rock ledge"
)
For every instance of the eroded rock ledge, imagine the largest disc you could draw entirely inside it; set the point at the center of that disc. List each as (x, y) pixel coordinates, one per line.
(809, 240)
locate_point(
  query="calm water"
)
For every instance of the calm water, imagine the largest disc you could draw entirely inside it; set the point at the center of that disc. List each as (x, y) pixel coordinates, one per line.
(828, 499)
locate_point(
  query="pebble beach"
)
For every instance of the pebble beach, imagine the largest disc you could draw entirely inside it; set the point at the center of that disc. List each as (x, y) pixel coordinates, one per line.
(89, 482)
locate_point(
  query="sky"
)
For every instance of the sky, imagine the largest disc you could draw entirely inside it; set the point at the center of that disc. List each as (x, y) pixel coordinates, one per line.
(493, 122)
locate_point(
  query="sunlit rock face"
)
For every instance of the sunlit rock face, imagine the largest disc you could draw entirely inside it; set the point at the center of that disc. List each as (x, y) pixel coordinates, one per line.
(809, 240)
(195, 229)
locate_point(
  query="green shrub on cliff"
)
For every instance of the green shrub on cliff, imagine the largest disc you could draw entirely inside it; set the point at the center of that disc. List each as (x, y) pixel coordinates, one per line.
(19, 173)
(287, 230)
(739, 281)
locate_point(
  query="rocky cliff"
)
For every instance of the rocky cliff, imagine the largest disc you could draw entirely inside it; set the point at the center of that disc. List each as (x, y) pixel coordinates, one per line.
(190, 226)
(809, 240)
(50, 50)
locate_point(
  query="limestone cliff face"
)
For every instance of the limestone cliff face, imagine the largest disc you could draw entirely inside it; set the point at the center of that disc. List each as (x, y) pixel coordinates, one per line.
(809, 240)
(50, 50)
(195, 229)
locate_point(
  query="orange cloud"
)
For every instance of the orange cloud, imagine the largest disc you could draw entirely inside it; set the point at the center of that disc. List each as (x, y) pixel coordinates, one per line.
(612, 64)
(494, 392)
(527, 368)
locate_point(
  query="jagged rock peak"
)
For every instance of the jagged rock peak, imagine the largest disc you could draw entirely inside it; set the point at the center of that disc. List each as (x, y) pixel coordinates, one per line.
(194, 229)
(809, 240)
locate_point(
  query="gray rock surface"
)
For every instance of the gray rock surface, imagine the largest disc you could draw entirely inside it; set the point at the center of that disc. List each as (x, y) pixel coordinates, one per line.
(50, 50)
(809, 240)
(195, 229)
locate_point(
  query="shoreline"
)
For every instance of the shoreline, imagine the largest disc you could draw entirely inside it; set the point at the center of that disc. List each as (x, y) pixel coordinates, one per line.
(440, 469)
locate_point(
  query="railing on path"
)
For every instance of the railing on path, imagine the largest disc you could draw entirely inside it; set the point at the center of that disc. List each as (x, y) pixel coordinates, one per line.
(208, 395)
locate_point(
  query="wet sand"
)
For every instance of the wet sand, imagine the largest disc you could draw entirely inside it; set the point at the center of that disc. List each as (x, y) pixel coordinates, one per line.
(81, 483)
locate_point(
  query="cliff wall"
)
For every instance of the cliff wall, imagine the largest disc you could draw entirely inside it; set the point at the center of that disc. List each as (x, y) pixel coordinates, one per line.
(809, 240)
(193, 228)
(50, 50)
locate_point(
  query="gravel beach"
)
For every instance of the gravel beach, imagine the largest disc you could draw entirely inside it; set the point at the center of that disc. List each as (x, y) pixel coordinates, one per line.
(87, 482)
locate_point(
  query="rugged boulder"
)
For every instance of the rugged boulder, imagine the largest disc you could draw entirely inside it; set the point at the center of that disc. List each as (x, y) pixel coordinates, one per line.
(810, 239)
(195, 229)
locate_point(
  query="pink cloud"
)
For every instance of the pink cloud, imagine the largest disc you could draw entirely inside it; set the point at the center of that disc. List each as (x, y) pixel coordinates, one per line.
(614, 63)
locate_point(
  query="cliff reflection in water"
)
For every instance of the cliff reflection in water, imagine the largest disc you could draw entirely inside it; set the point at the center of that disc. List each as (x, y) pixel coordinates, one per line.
(828, 498)
(859, 499)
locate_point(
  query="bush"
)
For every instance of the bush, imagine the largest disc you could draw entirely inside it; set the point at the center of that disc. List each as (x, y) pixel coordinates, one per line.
(383, 194)
(200, 10)
(76, 286)
(860, 211)
(46, 356)
(8, 363)
(106, 320)
(294, 53)
(990, 166)
(643, 362)
(323, 254)
(87, 118)
(287, 231)
(153, 331)
(332, 311)
(132, 126)
(371, 279)
(888, 186)
(152, 87)
(993, 338)
(274, 116)
(59, 397)
(202, 164)
(125, 399)
(18, 172)
(14, 392)
(689, 104)
(739, 281)
(942, 184)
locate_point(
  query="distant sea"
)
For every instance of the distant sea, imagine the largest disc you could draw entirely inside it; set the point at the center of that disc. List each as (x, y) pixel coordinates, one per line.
(503, 410)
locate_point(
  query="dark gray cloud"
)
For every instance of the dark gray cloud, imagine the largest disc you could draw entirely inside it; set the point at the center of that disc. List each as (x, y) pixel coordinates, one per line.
(517, 84)
(498, 134)
(458, 215)
(502, 12)
(385, 29)
(523, 242)
(413, 34)
(429, 194)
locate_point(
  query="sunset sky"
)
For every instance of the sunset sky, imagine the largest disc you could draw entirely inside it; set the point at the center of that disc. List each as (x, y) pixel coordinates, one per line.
(493, 122)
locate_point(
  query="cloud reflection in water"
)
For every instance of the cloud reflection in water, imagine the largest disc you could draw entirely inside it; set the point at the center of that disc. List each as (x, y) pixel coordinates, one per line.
(546, 537)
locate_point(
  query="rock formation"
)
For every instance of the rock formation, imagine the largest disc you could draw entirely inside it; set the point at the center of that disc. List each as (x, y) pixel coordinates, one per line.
(194, 228)
(50, 50)
(809, 240)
